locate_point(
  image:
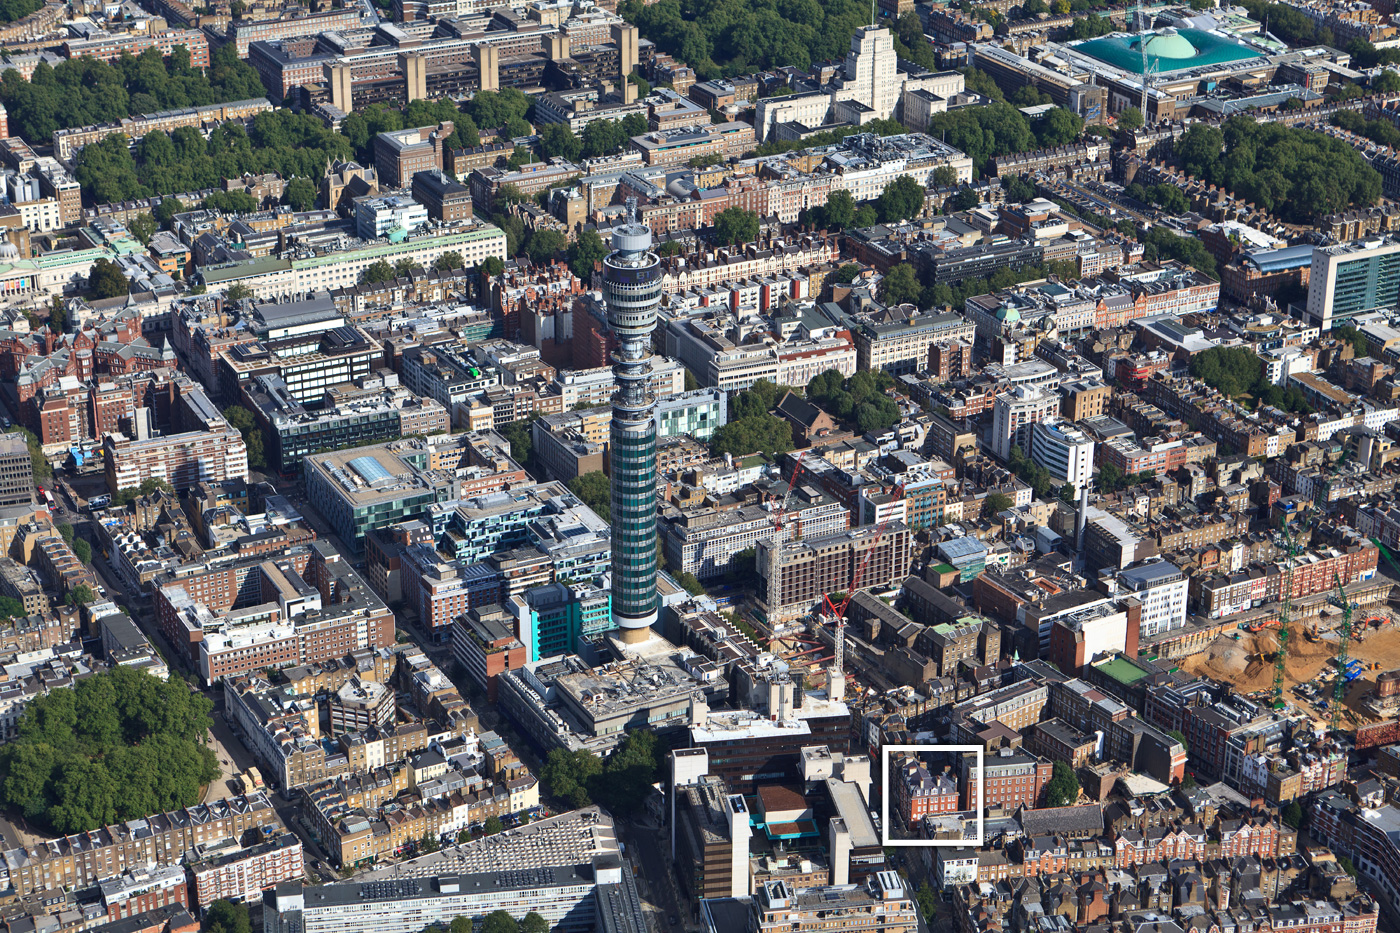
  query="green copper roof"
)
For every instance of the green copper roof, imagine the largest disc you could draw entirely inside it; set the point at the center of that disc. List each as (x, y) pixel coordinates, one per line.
(1172, 50)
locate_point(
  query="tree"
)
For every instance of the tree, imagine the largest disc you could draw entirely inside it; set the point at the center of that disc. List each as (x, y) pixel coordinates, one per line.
(1292, 814)
(106, 279)
(493, 826)
(1063, 787)
(586, 252)
(65, 531)
(300, 194)
(1180, 738)
(568, 775)
(450, 261)
(1354, 337)
(734, 226)
(225, 916)
(533, 923)
(944, 177)
(763, 433)
(143, 227)
(490, 267)
(80, 595)
(232, 202)
(1058, 127)
(902, 199)
(690, 584)
(498, 921)
(595, 491)
(376, 272)
(1129, 118)
(845, 274)
(557, 141)
(460, 924)
(82, 550)
(927, 901)
(543, 245)
(1347, 865)
(243, 421)
(11, 608)
(1232, 370)
(522, 449)
(995, 503)
(865, 217)
(900, 286)
(840, 210)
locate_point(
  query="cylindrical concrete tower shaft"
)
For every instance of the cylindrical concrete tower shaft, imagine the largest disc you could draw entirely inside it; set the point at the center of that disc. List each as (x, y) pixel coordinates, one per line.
(632, 289)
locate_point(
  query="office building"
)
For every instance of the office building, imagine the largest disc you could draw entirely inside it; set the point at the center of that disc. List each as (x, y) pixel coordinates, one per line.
(16, 471)
(561, 702)
(401, 154)
(445, 199)
(1162, 588)
(632, 289)
(552, 619)
(809, 568)
(485, 645)
(1067, 454)
(392, 215)
(374, 411)
(1352, 278)
(365, 488)
(567, 897)
(1015, 411)
(882, 904)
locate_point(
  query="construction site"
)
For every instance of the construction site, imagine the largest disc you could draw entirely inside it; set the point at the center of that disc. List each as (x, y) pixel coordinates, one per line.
(1249, 661)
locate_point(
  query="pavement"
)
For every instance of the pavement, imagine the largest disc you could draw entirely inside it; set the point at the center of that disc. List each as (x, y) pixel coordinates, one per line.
(650, 851)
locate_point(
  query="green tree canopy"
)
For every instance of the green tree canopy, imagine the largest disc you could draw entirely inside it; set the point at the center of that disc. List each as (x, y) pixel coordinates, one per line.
(1232, 370)
(1295, 173)
(595, 491)
(544, 245)
(736, 226)
(1129, 118)
(1063, 787)
(902, 199)
(226, 916)
(984, 132)
(449, 260)
(106, 279)
(300, 194)
(119, 745)
(83, 91)
(762, 433)
(586, 251)
(996, 503)
(900, 286)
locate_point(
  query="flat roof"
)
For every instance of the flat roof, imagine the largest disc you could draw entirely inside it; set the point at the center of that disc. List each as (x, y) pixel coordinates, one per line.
(1122, 670)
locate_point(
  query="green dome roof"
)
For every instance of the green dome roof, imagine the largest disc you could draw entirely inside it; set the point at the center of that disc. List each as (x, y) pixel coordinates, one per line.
(1168, 44)
(1171, 49)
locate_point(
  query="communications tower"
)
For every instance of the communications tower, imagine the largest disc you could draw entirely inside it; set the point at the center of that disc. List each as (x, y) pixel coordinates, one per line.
(632, 289)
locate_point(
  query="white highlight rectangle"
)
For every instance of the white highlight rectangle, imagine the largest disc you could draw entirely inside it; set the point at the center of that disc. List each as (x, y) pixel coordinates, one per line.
(885, 839)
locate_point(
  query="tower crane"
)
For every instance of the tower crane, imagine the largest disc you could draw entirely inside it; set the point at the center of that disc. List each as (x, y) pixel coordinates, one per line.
(1291, 550)
(1339, 689)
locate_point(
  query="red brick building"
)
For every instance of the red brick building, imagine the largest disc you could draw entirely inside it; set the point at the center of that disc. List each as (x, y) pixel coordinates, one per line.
(143, 889)
(1013, 779)
(920, 793)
